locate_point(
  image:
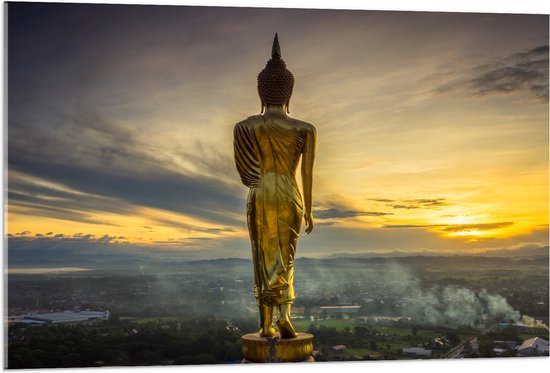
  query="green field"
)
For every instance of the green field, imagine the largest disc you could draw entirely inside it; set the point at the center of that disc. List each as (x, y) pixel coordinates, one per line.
(302, 325)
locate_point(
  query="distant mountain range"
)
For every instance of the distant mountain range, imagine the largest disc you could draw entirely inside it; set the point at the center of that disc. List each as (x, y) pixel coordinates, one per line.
(524, 252)
(526, 255)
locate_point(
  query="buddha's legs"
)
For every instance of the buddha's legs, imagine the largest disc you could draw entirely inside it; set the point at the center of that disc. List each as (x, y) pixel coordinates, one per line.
(266, 321)
(286, 330)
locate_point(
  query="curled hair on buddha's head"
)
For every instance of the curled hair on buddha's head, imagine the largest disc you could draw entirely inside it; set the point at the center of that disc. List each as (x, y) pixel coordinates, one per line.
(275, 81)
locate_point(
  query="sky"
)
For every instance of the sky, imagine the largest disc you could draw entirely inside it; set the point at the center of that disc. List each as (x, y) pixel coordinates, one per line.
(432, 129)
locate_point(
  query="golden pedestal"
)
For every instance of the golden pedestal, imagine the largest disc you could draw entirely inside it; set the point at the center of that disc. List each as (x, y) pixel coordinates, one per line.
(274, 350)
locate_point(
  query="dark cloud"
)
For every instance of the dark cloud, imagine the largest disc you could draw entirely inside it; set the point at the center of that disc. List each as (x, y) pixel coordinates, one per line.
(336, 209)
(43, 206)
(325, 223)
(184, 227)
(182, 242)
(428, 202)
(408, 226)
(408, 207)
(84, 249)
(455, 227)
(219, 230)
(409, 204)
(211, 161)
(334, 213)
(476, 227)
(517, 73)
(61, 248)
(95, 157)
(77, 237)
(512, 79)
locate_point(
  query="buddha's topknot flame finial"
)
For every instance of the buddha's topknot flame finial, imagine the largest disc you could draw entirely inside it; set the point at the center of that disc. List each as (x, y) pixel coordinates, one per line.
(276, 50)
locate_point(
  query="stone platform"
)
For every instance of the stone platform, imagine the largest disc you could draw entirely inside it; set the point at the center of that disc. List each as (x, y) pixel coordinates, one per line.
(258, 349)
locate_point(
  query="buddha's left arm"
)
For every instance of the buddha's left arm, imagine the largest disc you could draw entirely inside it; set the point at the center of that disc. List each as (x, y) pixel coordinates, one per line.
(308, 158)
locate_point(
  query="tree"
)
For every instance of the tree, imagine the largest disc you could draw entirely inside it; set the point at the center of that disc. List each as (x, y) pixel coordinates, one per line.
(307, 313)
(23, 358)
(372, 345)
(204, 359)
(361, 331)
(453, 338)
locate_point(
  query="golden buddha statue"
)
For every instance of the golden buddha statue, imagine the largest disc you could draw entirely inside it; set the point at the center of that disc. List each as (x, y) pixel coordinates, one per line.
(268, 148)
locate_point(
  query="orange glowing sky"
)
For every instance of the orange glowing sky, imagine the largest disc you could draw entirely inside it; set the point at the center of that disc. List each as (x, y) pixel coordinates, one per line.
(432, 128)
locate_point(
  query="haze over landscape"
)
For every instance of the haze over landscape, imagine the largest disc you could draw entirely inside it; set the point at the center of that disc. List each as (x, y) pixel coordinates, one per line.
(432, 130)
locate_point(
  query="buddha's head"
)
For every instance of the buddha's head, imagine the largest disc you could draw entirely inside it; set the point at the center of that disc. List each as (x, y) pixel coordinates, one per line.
(275, 81)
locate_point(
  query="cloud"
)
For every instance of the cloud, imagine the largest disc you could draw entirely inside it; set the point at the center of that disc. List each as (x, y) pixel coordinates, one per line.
(516, 73)
(410, 204)
(76, 249)
(398, 226)
(336, 209)
(408, 207)
(428, 202)
(183, 241)
(420, 203)
(209, 161)
(526, 76)
(324, 240)
(218, 230)
(95, 251)
(476, 227)
(327, 240)
(115, 171)
(69, 209)
(455, 227)
(333, 213)
(325, 223)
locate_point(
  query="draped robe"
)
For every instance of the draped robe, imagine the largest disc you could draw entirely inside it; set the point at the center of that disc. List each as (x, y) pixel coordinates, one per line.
(266, 156)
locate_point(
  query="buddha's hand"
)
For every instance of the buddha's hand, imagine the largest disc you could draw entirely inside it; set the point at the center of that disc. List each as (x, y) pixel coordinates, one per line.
(308, 217)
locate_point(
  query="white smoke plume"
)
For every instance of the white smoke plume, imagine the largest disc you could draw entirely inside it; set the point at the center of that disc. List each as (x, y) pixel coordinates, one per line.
(451, 306)
(531, 322)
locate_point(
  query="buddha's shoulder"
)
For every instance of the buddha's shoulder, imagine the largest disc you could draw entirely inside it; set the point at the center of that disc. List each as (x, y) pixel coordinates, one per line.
(250, 122)
(302, 125)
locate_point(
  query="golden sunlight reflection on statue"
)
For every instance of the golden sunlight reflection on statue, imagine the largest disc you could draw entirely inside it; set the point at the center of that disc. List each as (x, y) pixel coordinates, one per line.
(268, 148)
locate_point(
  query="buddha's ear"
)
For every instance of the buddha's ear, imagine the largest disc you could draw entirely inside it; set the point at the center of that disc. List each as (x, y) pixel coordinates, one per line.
(288, 106)
(262, 108)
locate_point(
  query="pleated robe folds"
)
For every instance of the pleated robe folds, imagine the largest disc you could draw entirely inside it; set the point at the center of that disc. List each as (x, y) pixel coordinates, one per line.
(266, 156)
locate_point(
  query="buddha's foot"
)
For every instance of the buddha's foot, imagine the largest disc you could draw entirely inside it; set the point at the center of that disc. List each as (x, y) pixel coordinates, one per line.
(269, 333)
(286, 330)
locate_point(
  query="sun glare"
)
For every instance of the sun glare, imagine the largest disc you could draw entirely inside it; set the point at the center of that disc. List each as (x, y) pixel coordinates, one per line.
(467, 233)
